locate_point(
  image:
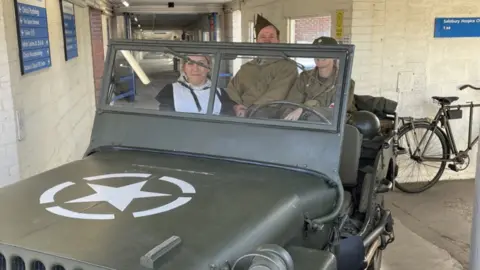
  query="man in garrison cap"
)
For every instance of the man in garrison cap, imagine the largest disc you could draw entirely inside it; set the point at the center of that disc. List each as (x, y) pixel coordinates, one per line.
(262, 79)
(316, 88)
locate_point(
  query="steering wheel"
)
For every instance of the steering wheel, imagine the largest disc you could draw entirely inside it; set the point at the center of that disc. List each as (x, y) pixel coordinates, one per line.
(253, 109)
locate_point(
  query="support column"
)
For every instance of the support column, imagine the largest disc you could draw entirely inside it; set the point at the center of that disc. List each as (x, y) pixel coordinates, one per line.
(475, 232)
(96, 33)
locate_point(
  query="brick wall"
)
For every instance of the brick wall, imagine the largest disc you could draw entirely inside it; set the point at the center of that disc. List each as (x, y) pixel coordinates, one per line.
(308, 29)
(96, 31)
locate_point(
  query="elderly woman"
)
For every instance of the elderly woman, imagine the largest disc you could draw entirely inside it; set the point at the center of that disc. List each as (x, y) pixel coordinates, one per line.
(191, 92)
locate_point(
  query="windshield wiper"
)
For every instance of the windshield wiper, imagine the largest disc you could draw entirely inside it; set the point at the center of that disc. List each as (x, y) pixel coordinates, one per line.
(286, 57)
(185, 58)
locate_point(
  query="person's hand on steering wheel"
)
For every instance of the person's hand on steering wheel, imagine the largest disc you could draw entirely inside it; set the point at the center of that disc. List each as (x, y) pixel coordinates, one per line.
(295, 115)
(240, 110)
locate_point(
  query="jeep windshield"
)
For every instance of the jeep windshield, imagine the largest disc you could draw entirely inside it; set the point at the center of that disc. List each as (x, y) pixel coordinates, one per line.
(215, 83)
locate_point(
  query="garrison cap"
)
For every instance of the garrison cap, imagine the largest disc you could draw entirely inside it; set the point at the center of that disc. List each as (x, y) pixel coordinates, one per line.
(262, 23)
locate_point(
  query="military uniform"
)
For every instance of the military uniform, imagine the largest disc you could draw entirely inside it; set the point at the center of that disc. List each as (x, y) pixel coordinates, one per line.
(317, 92)
(262, 79)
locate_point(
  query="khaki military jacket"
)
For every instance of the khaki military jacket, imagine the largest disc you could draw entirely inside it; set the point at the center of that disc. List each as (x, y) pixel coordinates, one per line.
(316, 92)
(260, 81)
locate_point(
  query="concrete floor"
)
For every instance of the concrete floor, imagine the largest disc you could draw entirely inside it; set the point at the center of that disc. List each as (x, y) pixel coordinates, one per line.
(432, 228)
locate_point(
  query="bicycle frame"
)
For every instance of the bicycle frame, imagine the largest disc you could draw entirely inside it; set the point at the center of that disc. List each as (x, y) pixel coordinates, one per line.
(441, 117)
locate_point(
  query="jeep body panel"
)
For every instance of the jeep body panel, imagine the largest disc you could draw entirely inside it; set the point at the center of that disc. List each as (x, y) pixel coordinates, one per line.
(233, 207)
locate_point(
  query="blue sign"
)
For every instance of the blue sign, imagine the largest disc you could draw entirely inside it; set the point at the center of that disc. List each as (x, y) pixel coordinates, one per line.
(34, 44)
(33, 22)
(69, 30)
(35, 65)
(35, 54)
(72, 51)
(33, 9)
(32, 34)
(457, 27)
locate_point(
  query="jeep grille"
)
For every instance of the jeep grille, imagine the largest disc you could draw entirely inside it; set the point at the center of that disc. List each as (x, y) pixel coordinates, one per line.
(17, 263)
(16, 258)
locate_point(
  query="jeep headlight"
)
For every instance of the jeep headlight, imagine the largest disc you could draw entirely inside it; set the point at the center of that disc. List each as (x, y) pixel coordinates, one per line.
(266, 257)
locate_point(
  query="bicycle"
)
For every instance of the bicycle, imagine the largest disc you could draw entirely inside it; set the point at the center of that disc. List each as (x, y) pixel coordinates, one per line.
(459, 159)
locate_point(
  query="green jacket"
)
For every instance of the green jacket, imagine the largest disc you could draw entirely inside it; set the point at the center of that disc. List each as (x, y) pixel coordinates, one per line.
(318, 93)
(261, 81)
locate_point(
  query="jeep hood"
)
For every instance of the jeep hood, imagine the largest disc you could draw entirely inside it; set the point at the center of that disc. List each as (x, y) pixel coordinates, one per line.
(111, 208)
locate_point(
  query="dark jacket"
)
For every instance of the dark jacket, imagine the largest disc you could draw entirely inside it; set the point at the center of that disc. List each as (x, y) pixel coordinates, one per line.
(380, 106)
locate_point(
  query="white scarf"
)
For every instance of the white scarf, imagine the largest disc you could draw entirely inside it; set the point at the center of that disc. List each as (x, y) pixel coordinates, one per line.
(193, 99)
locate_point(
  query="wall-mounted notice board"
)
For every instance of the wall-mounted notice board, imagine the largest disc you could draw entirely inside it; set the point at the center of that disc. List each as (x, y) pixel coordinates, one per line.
(457, 27)
(32, 35)
(69, 30)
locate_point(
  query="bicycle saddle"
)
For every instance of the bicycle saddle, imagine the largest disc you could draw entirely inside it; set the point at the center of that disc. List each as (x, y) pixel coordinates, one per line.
(445, 100)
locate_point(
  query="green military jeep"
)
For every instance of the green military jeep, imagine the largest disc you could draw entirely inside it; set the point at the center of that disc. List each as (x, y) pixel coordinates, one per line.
(174, 179)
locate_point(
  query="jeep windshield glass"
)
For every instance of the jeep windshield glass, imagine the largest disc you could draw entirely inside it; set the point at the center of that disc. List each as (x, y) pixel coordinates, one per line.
(281, 86)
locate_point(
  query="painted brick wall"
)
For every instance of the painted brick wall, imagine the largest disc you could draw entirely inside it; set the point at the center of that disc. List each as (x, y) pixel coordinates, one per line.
(9, 166)
(397, 57)
(97, 49)
(57, 103)
(308, 29)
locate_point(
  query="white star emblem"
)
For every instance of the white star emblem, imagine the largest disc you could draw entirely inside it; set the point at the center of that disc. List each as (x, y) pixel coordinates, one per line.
(119, 197)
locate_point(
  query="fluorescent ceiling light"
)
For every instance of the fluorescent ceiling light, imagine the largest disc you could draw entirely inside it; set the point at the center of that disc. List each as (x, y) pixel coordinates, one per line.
(139, 26)
(125, 3)
(135, 18)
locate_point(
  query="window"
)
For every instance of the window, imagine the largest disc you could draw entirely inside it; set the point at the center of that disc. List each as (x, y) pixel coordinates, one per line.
(154, 80)
(179, 81)
(306, 30)
(256, 86)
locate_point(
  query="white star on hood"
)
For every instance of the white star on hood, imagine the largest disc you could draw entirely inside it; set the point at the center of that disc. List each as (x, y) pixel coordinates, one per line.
(119, 197)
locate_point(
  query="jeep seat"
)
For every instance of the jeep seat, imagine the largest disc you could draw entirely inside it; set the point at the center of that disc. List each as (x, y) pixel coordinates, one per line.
(350, 156)
(349, 162)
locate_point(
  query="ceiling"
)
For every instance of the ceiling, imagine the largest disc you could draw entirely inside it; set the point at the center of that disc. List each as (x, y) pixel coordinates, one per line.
(161, 6)
(165, 21)
(165, 2)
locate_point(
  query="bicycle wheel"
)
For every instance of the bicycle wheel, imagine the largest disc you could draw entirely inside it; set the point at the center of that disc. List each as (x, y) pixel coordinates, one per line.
(410, 133)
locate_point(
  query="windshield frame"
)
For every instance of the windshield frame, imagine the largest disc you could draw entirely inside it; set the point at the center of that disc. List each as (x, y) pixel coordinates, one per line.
(218, 50)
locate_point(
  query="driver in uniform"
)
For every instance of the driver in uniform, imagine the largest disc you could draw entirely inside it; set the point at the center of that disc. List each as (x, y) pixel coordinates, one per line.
(316, 88)
(263, 79)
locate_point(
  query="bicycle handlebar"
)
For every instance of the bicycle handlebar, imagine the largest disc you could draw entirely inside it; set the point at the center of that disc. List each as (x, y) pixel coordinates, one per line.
(468, 86)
